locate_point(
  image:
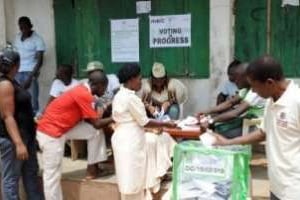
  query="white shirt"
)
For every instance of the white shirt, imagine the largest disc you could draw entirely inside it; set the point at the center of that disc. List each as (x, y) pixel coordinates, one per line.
(113, 85)
(253, 99)
(58, 87)
(282, 127)
(229, 88)
(28, 49)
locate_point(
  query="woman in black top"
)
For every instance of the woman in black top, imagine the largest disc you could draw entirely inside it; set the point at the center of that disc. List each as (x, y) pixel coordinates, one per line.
(17, 133)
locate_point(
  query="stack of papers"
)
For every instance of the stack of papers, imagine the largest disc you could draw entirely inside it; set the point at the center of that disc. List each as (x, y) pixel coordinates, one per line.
(190, 123)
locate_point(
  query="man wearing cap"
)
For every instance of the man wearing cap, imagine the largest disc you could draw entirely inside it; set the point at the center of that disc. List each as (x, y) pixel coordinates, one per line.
(31, 48)
(163, 95)
(113, 82)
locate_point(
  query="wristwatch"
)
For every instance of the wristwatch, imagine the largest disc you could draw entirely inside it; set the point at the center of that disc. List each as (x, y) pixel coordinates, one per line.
(211, 123)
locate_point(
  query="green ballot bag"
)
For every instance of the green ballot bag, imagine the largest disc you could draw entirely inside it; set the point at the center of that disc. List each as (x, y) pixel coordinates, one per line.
(210, 173)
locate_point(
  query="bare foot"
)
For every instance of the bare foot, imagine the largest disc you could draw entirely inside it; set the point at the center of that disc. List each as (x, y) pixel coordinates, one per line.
(92, 171)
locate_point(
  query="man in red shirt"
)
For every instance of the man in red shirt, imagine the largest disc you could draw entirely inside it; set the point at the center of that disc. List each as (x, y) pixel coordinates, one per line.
(60, 116)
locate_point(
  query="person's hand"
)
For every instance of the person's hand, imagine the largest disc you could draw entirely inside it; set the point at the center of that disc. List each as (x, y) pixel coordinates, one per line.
(36, 74)
(151, 109)
(21, 152)
(204, 124)
(220, 140)
(165, 105)
(172, 96)
(199, 115)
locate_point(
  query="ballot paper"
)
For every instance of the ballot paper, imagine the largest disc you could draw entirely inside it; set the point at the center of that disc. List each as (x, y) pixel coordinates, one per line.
(189, 123)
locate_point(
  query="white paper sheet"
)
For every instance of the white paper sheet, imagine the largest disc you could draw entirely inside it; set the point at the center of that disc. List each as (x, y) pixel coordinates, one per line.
(125, 40)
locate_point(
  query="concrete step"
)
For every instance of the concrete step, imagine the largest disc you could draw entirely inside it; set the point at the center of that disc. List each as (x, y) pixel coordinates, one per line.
(75, 187)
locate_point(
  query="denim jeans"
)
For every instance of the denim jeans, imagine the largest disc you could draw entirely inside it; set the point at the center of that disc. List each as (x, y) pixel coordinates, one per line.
(21, 77)
(12, 169)
(174, 111)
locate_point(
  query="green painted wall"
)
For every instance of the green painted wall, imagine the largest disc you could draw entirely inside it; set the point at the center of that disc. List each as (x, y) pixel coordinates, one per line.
(89, 34)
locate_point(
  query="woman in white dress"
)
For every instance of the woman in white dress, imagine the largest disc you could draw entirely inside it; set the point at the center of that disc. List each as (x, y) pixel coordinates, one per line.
(128, 140)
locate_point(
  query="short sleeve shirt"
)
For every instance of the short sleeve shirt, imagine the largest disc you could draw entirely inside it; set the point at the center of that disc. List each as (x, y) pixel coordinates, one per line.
(64, 112)
(281, 123)
(58, 87)
(28, 49)
(257, 104)
(229, 89)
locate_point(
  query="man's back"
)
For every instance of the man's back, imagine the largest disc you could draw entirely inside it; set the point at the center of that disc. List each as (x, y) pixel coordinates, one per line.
(67, 110)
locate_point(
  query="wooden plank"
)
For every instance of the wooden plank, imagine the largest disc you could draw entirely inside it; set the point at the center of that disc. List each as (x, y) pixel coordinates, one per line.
(186, 134)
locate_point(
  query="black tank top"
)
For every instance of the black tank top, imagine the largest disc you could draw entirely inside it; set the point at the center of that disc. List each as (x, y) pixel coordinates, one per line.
(23, 113)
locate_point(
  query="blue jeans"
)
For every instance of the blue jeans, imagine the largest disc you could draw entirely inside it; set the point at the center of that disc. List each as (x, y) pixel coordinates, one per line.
(21, 77)
(12, 169)
(173, 111)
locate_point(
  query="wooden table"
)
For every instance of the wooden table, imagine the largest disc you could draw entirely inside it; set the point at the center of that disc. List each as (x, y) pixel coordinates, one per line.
(179, 133)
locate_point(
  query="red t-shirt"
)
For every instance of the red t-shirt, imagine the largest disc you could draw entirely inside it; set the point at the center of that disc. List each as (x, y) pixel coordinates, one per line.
(64, 112)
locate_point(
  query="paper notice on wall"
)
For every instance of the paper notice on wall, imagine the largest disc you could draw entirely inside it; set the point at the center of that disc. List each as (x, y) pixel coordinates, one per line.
(290, 2)
(125, 40)
(170, 31)
(143, 7)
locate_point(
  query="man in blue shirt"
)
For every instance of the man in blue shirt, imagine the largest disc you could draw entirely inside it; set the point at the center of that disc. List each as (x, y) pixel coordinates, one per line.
(31, 48)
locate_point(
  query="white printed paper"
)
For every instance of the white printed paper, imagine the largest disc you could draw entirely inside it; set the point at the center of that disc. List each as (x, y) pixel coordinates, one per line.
(125, 40)
(143, 7)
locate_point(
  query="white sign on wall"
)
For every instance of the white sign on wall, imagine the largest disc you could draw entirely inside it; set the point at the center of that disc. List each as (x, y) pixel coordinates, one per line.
(170, 31)
(125, 40)
(143, 7)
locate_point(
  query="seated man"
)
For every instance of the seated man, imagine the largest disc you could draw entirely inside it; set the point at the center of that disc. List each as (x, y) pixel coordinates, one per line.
(163, 95)
(63, 81)
(228, 116)
(229, 89)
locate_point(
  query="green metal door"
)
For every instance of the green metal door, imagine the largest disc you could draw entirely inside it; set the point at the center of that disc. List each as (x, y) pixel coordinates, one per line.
(92, 34)
(251, 35)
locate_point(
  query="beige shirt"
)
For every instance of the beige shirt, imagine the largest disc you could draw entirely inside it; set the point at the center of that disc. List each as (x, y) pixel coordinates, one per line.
(174, 85)
(128, 107)
(282, 127)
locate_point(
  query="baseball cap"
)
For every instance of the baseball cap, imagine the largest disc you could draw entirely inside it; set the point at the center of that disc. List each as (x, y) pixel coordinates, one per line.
(94, 65)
